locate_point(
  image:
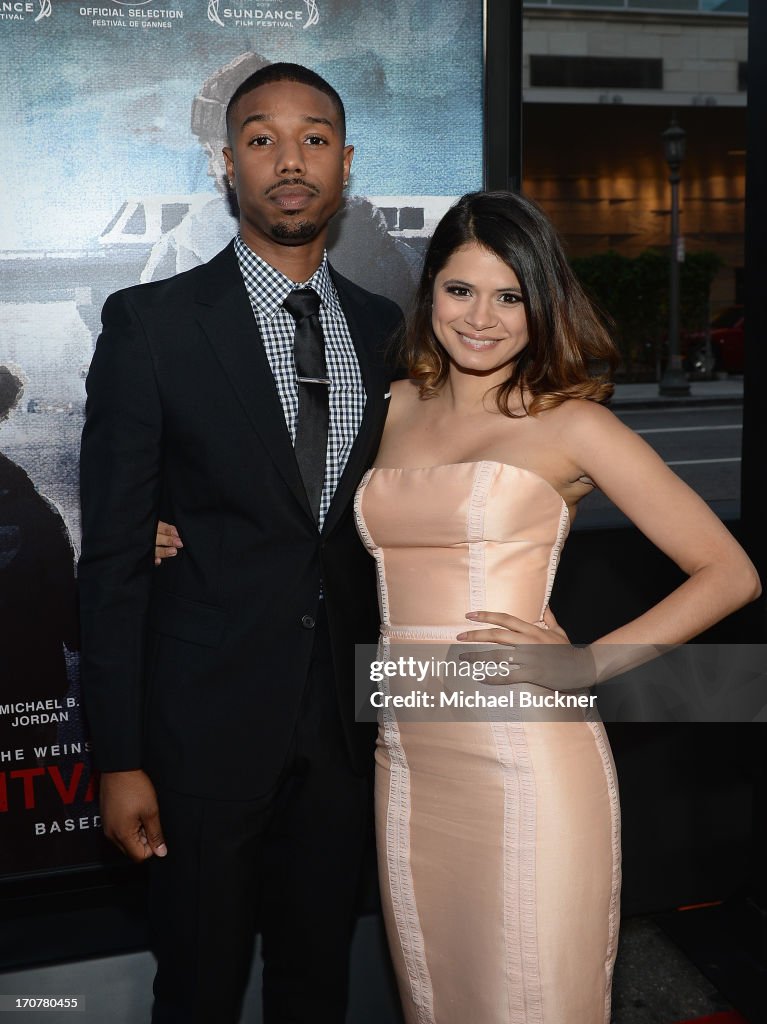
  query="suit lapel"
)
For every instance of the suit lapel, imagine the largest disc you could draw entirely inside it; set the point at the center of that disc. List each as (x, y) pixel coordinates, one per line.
(375, 381)
(225, 315)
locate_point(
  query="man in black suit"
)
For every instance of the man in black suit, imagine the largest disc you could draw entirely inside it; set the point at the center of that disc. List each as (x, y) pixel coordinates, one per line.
(219, 688)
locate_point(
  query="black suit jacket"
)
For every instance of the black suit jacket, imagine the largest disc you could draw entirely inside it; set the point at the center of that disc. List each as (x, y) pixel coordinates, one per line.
(194, 671)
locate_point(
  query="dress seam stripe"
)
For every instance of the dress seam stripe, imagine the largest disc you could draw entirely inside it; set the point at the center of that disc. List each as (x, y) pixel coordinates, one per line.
(373, 548)
(556, 551)
(400, 870)
(519, 882)
(475, 528)
(615, 838)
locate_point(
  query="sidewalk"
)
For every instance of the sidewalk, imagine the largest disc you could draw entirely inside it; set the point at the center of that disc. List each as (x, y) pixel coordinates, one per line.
(702, 392)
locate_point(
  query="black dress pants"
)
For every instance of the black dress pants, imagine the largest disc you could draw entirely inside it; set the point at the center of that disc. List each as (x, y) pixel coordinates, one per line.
(287, 864)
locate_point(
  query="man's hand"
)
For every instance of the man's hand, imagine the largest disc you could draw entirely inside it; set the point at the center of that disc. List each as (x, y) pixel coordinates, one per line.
(130, 814)
(167, 542)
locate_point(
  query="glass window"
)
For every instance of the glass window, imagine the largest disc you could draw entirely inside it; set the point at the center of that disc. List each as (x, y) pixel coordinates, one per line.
(696, 6)
(596, 72)
(594, 159)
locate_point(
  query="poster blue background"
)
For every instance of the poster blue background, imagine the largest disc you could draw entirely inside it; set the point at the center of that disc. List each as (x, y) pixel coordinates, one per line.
(104, 183)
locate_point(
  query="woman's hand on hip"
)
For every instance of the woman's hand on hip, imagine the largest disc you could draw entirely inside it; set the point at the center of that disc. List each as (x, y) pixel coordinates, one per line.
(512, 631)
(534, 652)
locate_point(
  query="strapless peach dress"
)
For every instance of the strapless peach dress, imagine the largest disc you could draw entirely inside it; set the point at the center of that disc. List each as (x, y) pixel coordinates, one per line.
(498, 841)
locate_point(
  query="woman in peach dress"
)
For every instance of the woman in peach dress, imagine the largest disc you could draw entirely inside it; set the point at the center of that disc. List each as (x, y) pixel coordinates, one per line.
(499, 840)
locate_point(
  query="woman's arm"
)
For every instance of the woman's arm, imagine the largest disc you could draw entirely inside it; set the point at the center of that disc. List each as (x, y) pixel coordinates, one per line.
(721, 577)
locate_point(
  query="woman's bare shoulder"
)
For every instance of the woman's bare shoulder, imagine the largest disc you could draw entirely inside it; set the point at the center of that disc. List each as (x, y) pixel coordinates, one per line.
(579, 417)
(579, 429)
(404, 394)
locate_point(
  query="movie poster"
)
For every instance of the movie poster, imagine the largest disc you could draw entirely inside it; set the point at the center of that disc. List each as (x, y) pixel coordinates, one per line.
(112, 123)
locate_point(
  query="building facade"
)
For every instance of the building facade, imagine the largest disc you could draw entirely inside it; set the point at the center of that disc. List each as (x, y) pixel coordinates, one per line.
(601, 82)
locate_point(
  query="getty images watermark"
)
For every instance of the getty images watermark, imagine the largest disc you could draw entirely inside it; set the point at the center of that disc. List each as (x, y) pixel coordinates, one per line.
(431, 670)
(438, 681)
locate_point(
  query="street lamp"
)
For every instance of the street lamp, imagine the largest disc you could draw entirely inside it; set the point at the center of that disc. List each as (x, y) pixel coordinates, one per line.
(674, 380)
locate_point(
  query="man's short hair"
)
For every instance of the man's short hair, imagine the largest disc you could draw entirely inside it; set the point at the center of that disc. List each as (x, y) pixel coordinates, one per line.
(283, 72)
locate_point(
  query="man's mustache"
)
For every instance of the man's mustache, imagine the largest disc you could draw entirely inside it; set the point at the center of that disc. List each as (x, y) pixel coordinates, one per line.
(292, 181)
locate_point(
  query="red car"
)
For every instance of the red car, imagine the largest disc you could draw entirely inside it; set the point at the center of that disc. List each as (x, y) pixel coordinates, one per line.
(726, 351)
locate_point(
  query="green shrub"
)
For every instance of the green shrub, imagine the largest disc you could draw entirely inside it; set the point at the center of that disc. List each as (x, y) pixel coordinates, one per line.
(633, 294)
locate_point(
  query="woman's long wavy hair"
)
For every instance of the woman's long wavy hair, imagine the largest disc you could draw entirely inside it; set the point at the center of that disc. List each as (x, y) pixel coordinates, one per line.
(569, 353)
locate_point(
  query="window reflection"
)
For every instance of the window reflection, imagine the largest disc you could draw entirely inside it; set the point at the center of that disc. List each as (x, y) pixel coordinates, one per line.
(698, 6)
(598, 93)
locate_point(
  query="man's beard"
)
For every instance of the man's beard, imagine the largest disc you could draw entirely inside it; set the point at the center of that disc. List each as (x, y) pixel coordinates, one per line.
(294, 231)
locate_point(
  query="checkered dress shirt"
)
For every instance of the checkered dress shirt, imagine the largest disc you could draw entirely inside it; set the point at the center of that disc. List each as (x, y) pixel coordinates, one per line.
(267, 290)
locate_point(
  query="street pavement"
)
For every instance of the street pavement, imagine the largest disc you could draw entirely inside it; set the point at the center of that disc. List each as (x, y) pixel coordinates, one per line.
(702, 392)
(697, 435)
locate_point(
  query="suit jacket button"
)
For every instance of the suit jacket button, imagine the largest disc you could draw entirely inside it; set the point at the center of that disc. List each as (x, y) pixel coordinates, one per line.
(307, 621)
